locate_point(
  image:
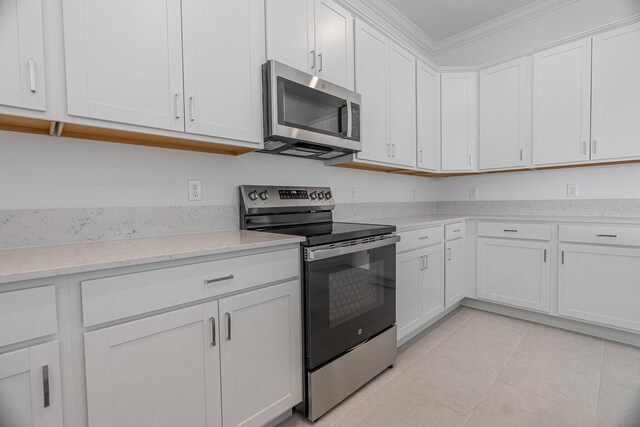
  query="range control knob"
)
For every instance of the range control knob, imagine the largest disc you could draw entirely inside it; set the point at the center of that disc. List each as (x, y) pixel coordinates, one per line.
(253, 195)
(327, 195)
(320, 195)
(264, 195)
(313, 195)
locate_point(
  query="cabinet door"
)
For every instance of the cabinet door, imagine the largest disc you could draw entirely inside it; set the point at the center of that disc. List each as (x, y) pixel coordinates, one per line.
(409, 276)
(454, 272)
(159, 371)
(124, 61)
(290, 33)
(402, 106)
(334, 43)
(223, 52)
(562, 104)
(30, 391)
(514, 272)
(428, 117)
(433, 282)
(459, 120)
(371, 82)
(600, 284)
(261, 349)
(504, 98)
(22, 52)
(616, 91)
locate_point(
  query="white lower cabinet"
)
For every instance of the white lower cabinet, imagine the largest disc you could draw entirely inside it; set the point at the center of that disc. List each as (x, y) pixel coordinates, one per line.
(600, 284)
(419, 288)
(159, 371)
(30, 390)
(190, 366)
(261, 352)
(514, 272)
(454, 272)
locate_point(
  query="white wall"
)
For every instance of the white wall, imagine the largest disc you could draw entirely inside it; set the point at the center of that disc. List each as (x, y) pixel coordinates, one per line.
(598, 182)
(574, 18)
(46, 172)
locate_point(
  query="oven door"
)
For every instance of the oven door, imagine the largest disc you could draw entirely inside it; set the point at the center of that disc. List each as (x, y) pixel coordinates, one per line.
(349, 295)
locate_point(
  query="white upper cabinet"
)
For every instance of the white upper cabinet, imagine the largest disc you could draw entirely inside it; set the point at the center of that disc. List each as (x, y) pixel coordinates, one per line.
(459, 121)
(124, 61)
(223, 45)
(315, 36)
(402, 106)
(334, 43)
(616, 93)
(504, 108)
(22, 68)
(428, 117)
(372, 50)
(562, 104)
(290, 33)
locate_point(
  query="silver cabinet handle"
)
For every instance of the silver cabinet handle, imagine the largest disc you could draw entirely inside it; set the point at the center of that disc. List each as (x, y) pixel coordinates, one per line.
(213, 331)
(393, 150)
(545, 255)
(421, 157)
(45, 386)
(192, 108)
(608, 235)
(521, 154)
(510, 231)
(423, 237)
(594, 146)
(470, 160)
(228, 316)
(313, 55)
(584, 147)
(320, 62)
(177, 101)
(449, 257)
(218, 279)
(457, 230)
(562, 257)
(32, 74)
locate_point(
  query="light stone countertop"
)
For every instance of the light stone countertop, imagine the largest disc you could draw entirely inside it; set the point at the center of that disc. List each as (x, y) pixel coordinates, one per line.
(421, 221)
(58, 260)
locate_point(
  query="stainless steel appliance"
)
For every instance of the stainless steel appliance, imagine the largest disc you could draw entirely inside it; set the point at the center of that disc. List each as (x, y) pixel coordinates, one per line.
(305, 116)
(349, 283)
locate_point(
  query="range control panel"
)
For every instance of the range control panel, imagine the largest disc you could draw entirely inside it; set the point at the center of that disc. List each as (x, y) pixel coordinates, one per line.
(267, 198)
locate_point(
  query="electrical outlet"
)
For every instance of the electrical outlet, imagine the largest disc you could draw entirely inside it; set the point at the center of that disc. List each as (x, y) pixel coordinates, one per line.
(352, 194)
(572, 190)
(195, 190)
(473, 193)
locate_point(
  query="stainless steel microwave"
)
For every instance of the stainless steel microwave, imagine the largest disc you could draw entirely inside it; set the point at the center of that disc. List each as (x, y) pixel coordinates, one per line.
(305, 116)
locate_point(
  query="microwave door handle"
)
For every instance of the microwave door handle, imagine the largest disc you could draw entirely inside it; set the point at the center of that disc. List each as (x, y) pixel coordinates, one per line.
(349, 120)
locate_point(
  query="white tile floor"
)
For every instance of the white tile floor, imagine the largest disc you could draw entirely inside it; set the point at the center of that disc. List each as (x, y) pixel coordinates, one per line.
(479, 369)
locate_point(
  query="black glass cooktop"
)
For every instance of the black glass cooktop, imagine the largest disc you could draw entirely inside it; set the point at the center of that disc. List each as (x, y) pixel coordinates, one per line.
(332, 232)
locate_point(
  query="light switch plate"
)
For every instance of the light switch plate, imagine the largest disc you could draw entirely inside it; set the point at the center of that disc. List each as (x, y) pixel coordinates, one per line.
(473, 193)
(572, 190)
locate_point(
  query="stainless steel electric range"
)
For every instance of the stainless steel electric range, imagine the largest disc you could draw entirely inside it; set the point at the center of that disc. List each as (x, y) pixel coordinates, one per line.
(349, 283)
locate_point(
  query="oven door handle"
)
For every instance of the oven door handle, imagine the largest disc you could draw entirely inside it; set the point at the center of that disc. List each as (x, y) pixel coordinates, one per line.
(323, 252)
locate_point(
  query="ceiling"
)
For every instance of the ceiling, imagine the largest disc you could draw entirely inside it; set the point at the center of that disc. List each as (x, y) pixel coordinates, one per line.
(442, 19)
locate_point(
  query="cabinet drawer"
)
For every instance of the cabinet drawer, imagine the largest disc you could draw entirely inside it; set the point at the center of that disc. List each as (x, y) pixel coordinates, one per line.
(117, 297)
(27, 314)
(513, 230)
(420, 238)
(601, 234)
(454, 231)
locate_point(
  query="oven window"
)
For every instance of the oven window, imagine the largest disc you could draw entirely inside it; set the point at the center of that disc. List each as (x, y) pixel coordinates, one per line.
(355, 290)
(302, 107)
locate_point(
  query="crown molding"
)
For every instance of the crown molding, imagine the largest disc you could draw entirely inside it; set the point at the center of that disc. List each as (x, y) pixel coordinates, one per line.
(510, 19)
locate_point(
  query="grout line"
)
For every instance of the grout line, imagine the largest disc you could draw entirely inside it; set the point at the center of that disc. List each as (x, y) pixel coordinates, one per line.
(600, 385)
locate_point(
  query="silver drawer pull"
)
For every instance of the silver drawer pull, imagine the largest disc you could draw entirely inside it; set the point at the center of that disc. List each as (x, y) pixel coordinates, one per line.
(45, 386)
(213, 331)
(608, 235)
(218, 279)
(423, 237)
(456, 231)
(510, 231)
(228, 316)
